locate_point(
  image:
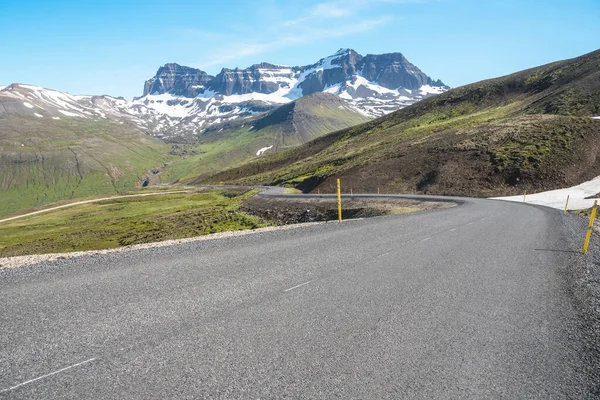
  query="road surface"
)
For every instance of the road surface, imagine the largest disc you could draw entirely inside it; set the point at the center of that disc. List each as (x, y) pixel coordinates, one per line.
(475, 301)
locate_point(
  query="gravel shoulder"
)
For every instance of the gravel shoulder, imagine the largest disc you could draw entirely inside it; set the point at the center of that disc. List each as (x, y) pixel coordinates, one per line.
(21, 261)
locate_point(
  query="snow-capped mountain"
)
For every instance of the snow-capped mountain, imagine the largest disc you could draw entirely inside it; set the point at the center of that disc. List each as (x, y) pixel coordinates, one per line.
(374, 85)
(182, 102)
(47, 103)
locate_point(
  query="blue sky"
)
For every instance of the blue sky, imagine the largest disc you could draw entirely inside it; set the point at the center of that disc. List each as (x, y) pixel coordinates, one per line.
(113, 46)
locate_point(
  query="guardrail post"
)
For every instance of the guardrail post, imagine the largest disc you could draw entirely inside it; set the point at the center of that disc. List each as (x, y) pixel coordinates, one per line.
(590, 226)
(339, 200)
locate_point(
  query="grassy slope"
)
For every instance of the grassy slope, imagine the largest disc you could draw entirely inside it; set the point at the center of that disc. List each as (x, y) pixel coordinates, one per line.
(289, 125)
(42, 161)
(119, 222)
(530, 130)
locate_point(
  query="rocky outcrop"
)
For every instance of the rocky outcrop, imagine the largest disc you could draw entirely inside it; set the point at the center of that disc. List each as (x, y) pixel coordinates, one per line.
(178, 80)
(392, 71)
(260, 78)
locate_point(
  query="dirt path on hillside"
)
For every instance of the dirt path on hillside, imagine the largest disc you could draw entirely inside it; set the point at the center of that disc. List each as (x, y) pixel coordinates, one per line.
(90, 201)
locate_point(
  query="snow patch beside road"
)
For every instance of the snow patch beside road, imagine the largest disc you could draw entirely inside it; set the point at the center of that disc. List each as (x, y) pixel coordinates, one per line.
(557, 198)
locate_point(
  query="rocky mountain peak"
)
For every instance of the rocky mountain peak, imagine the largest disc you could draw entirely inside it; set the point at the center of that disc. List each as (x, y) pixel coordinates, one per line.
(178, 80)
(394, 71)
(390, 71)
(375, 84)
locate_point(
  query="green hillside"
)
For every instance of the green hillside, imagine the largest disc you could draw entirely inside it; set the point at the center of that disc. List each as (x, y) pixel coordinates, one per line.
(43, 161)
(238, 141)
(527, 131)
(120, 222)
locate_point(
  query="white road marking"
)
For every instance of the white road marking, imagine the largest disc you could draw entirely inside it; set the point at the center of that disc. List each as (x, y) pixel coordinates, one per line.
(384, 254)
(426, 239)
(296, 287)
(452, 230)
(47, 375)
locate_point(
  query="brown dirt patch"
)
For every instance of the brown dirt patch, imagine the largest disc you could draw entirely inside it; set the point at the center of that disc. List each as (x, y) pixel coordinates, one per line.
(294, 210)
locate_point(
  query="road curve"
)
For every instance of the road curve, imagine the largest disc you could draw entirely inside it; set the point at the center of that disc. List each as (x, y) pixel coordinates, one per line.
(474, 301)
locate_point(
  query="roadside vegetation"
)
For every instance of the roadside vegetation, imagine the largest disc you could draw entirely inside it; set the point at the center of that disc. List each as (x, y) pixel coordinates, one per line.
(120, 222)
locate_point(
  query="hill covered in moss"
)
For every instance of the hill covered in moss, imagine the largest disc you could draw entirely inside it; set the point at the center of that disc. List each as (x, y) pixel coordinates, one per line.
(526, 131)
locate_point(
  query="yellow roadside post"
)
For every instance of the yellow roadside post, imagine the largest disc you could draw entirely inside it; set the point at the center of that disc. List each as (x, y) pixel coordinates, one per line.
(589, 230)
(339, 198)
(524, 195)
(377, 190)
(567, 204)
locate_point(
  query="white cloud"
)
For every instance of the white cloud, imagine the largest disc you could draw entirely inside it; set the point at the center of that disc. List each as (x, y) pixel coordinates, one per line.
(238, 50)
(331, 10)
(327, 19)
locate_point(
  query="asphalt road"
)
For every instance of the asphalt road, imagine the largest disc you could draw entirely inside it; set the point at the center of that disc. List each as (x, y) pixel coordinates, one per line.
(474, 301)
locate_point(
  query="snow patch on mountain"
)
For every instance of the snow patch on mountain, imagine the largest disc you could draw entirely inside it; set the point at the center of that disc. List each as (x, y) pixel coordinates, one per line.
(278, 97)
(427, 89)
(24, 99)
(165, 104)
(261, 151)
(68, 113)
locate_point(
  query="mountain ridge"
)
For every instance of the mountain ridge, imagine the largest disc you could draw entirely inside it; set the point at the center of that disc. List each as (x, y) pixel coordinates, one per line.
(180, 103)
(349, 60)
